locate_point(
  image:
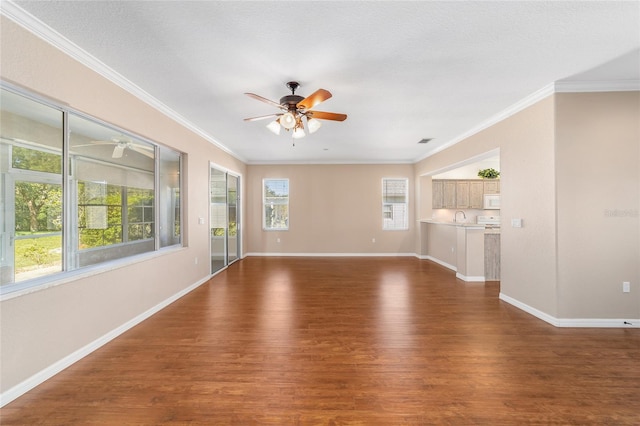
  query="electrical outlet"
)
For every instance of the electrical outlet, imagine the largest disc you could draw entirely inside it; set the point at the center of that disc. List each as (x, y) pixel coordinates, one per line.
(196, 261)
(516, 223)
(626, 287)
(373, 240)
(277, 240)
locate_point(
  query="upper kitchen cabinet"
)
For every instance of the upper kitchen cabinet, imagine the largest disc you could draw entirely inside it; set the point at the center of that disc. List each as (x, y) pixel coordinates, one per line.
(437, 194)
(491, 186)
(461, 194)
(443, 194)
(469, 194)
(449, 196)
(476, 192)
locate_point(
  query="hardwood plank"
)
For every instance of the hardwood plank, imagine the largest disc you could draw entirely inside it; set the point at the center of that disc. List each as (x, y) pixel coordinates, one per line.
(345, 341)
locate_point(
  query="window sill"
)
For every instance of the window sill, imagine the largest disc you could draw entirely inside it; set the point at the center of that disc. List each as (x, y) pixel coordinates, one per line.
(11, 291)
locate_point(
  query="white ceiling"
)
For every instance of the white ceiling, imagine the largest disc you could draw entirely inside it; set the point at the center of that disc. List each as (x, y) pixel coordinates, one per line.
(402, 71)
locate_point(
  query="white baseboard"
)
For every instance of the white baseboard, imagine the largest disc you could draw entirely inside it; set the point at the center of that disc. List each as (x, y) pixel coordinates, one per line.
(599, 322)
(440, 262)
(470, 279)
(573, 322)
(50, 371)
(331, 254)
(421, 257)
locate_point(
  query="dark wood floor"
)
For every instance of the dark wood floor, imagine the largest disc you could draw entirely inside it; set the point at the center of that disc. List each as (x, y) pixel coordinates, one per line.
(329, 341)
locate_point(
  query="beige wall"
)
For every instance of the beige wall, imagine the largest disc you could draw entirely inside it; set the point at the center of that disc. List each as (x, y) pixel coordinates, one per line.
(41, 328)
(526, 143)
(333, 209)
(570, 170)
(440, 242)
(598, 187)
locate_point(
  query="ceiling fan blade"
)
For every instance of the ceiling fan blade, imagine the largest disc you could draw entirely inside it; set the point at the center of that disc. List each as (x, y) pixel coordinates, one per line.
(326, 115)
(93, 143)
(146, 151)
(314, 99)
(118, 150)
(265, 100)
(262, 117)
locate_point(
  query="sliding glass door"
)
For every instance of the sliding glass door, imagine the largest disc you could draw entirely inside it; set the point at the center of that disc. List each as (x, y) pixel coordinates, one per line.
(224, 219)
(233, 242)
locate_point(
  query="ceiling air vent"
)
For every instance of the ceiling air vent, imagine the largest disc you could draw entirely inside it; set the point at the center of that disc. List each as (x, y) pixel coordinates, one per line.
(425, 140)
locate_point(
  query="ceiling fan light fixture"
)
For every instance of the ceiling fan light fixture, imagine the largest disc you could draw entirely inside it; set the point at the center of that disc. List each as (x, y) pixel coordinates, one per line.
(288, 120)
(294, 109)
(274, 126)
(298, 133)
(118, 150)
(313, 124)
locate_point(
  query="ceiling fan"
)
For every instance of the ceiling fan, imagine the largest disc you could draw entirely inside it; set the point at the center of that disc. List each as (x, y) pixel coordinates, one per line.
(122, 143)
(295, 108)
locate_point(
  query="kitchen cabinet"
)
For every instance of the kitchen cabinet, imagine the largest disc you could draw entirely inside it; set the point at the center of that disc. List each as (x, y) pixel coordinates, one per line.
(449, 194)
(469, 194)
(461, 193)
(492, 256)
(437, 194)
(476, 192)
(491, 186)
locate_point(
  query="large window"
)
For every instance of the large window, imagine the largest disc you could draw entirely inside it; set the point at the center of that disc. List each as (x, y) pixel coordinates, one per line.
(169, 197)
(395, 204)
(275, 203)
(99, 199)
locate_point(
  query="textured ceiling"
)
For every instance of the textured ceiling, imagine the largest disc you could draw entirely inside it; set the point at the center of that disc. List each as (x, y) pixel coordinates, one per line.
(402, 71)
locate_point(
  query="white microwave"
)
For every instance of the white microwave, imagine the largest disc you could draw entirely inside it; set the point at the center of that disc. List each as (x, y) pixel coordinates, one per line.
(492, 201)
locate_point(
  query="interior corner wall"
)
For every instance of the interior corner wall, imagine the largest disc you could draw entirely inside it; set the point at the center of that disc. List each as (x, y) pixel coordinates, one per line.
(527, 182)
(42, 328)
(334, 209)
(598, 190)
(424, 210)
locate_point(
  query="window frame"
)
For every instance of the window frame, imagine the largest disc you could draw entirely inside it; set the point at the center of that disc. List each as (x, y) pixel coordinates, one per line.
(390, 207)
(264, 205)
(71, 203)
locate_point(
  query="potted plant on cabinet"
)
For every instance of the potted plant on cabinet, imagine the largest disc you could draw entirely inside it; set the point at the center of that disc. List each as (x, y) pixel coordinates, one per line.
(488, 174)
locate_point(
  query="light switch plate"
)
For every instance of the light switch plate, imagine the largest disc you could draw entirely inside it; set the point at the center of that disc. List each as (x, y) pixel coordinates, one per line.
(516, 223)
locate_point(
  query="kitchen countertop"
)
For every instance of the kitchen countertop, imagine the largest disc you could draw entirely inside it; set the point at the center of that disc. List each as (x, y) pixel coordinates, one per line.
(460, 224)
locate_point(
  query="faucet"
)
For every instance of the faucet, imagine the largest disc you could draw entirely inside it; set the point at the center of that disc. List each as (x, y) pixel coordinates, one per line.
(455, 216)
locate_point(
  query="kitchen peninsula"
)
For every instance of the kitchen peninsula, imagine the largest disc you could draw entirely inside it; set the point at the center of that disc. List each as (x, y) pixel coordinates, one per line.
(458, 246)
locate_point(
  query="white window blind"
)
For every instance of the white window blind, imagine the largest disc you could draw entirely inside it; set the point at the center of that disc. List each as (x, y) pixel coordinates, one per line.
(395, 204)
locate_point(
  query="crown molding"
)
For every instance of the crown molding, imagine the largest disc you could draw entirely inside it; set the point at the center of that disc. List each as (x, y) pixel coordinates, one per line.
(533, 98)
(597, 86)
(550, 89)
(57, 40)
(322, 163)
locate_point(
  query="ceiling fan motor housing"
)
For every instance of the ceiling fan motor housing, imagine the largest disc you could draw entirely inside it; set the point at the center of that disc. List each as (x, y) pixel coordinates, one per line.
(290, 101)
